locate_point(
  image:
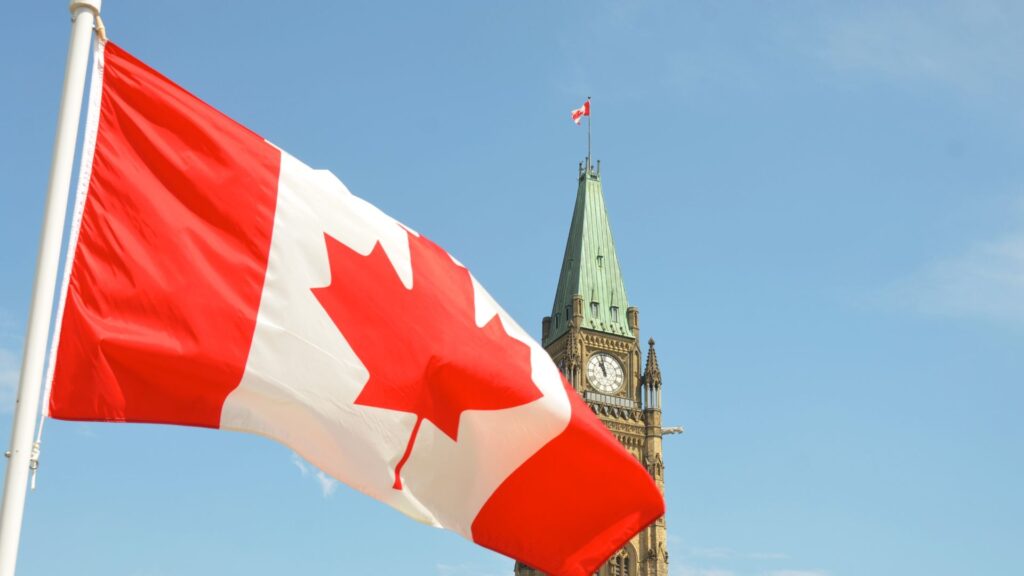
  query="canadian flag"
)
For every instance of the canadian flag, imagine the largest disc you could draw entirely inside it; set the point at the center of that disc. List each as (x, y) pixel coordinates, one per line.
(216, 281)
(579, 113)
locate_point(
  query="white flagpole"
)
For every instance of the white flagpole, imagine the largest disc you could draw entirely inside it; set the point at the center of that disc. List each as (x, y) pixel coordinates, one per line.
(589, 113)
(20, 459)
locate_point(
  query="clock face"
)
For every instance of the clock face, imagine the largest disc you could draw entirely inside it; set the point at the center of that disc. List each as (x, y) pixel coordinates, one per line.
(604, 373)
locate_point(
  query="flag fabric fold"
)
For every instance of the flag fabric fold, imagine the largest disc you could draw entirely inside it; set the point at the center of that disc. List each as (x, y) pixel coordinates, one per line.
(214, 280)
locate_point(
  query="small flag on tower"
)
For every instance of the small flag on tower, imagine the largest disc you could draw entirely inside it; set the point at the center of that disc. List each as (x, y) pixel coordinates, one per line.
(579, 113)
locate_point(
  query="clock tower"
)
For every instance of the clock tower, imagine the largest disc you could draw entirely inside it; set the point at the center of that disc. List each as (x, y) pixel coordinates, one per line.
(593, 335)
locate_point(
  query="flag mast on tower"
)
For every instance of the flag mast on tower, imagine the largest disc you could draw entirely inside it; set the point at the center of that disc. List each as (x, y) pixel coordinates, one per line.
(577, 115)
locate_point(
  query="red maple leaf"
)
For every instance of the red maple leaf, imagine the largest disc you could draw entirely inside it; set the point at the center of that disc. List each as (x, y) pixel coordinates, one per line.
(421, 346)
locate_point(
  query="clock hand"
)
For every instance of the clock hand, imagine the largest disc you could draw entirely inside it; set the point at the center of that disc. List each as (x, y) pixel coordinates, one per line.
(603, 371)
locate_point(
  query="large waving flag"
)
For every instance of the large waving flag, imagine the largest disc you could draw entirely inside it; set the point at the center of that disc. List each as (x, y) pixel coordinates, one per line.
(216, 281)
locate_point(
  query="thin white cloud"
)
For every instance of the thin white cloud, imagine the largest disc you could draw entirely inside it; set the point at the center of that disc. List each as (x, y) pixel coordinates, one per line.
(7, 327)
(10, 361)
(725, 561)
(10, 369)
(768, 556)
(327, 484)
(467, 569)
(723, 553)
(451, 569)
(695, 571)
(986, 281)
(973, 46)
(716, 552)
(300, 464)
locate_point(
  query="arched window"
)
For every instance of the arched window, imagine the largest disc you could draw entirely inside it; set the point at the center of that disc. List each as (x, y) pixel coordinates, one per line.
(619, 565)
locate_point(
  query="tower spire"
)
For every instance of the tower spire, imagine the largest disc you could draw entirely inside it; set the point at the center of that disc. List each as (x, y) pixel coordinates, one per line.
(590, 268)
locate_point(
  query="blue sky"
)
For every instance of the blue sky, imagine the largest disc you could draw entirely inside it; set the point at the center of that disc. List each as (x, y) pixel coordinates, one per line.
(818, 208)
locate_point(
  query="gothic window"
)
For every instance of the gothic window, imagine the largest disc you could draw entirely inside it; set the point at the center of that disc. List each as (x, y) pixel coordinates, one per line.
(600, 261)
(568, 313)
(619, 565)
(594, 308)
(558, 316)
(615, 313)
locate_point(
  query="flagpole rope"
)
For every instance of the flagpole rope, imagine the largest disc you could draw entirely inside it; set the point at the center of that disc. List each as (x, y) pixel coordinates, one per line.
(101, 30)
(92, 115)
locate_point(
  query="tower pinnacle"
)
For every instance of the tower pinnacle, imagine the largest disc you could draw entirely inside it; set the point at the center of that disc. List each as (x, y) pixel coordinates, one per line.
(652, 373)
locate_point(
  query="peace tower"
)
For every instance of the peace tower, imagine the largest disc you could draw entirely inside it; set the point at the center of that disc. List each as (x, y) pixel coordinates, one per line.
(593, 335)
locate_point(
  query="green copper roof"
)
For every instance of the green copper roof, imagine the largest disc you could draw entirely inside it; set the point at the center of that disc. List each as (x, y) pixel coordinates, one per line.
(590, 267)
